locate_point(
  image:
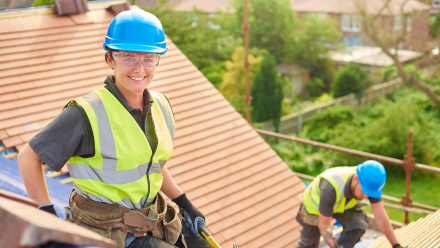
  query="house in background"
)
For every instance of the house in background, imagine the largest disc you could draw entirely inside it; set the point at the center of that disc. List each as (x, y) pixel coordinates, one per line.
(370, 58)
(349, 23)
(435, 7)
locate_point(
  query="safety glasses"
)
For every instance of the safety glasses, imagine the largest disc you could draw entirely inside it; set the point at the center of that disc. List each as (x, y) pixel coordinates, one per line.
(131, 58)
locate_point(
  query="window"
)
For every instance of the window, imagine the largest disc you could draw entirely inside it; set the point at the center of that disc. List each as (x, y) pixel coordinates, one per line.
(436, 3)
(350, 23)
(399, 22)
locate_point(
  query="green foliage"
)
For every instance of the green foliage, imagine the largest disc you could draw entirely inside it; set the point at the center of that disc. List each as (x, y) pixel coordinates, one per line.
(267, 93)
(350, 79)
(237, 101)
(312, 42)
(272, 25)
(301, 158)
(233, 81)
(232, 86)
(196, 35)
(434, 26)
(381, 129)
(214, 73)
(325, 97)
(320, 127)
(37, 3)
(315, 86)
(388, 73)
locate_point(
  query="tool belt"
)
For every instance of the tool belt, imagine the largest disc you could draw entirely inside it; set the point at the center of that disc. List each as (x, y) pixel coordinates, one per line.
(161, 219)
(309, 219)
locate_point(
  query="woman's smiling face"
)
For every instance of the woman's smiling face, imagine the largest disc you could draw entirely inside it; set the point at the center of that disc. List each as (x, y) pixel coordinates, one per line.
(133, 78)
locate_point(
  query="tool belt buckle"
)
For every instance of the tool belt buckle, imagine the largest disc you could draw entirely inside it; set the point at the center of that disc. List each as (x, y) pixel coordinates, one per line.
(142, 223)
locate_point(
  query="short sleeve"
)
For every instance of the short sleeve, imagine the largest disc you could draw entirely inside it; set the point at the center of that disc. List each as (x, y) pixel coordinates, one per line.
(374, 200)
(327, 198)
(64, 137)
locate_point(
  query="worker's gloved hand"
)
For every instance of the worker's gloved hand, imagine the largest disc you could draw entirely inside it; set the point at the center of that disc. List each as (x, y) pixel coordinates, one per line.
(49, 208)
(398, 246)
(191, 215)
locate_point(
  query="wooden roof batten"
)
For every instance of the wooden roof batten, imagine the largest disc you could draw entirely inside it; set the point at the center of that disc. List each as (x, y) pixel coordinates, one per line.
(224, 166)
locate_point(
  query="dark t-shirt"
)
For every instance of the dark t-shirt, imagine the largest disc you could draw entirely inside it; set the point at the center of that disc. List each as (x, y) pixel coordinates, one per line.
(328, 196)
(66, 136)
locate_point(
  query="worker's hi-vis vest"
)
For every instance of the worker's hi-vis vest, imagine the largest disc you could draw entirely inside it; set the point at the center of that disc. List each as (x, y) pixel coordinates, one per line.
(124, 171)
(338, 178)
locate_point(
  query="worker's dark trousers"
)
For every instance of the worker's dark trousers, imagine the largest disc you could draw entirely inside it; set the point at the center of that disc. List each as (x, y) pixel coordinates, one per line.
(191, 241)
(354, 224)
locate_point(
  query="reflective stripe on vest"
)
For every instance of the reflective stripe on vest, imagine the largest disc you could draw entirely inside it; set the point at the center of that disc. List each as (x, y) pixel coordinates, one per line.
(117, 173)
(338, 178)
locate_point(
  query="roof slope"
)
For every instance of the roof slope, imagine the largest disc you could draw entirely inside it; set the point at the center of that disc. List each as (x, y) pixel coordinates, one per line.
(348, 6)
(421, 233)
(248, 194)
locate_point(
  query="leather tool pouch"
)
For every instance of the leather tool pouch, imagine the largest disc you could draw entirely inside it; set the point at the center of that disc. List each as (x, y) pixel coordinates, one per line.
(142, 223)
(309, 219)
(104, 228)
(169, 225)
(70, 7)
(172, 224)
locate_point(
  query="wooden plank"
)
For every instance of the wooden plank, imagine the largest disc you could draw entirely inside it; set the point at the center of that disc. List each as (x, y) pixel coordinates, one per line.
(66, 180)
(55, 174)
(11, 155)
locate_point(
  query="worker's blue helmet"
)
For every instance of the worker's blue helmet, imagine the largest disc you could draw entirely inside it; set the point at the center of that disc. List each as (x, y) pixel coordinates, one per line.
(136, 31)
(372, 177)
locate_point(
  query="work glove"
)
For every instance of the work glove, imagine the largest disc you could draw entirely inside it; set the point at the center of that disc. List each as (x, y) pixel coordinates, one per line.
(191, 215)
(399, 246)
(49, 208)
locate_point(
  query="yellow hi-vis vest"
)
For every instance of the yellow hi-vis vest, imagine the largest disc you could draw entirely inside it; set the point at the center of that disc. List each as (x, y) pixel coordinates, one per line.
(124, 171)
(338, 178)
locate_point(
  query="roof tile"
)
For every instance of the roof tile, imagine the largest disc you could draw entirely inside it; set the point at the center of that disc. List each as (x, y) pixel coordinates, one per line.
(81, 19)
(15, 130)
(27, 136)
(12, 141)
(3, 134)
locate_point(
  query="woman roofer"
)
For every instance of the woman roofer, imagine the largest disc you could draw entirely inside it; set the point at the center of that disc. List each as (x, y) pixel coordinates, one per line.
(116, 141)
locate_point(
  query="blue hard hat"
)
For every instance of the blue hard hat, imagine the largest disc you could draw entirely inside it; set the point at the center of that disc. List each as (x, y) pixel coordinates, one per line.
(136, 31)
(372, 177)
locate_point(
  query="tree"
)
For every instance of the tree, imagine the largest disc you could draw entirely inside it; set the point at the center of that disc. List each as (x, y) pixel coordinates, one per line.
(315, 86)
(272, 25)
(386, 36)
(348, 80)
(434, 26)
(201, 37)
(233, 81)
(267, 93)
(313, 39)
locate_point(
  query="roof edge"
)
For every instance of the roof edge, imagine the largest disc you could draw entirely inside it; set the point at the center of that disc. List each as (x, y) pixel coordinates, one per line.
(49, 9)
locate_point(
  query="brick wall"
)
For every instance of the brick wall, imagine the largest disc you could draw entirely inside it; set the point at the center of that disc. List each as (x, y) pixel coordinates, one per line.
(416, 38)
